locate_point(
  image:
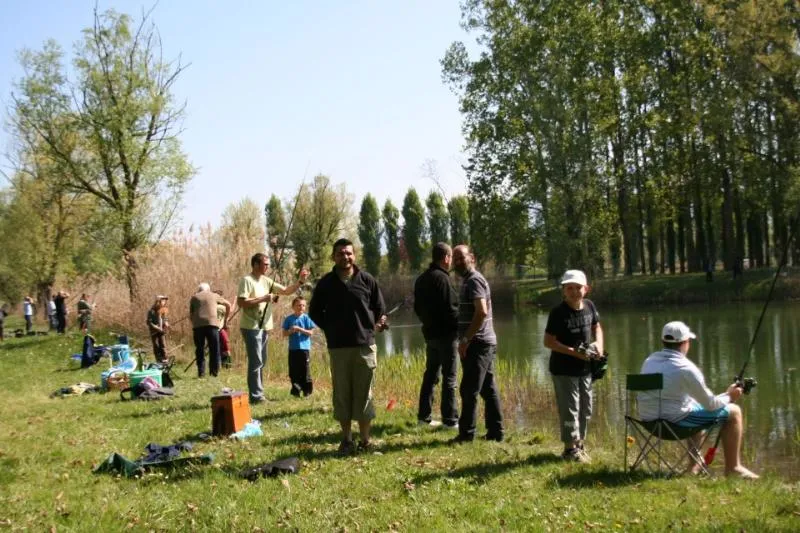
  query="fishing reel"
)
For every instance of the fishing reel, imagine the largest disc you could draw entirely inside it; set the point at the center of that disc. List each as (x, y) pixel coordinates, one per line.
(746, 384)
(598, 363)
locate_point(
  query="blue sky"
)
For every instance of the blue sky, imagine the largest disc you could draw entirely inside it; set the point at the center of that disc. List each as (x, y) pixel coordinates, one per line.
(349, 88)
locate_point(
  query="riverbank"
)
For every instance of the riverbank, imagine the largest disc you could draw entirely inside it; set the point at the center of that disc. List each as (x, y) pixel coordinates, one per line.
(679, 289)
(413, 481)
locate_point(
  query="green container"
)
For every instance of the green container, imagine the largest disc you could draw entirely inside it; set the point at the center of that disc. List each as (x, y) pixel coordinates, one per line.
(139, 375)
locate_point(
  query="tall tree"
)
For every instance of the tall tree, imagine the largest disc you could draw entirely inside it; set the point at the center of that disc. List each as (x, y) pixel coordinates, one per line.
(323, 214)
(241, 229)
(391, 234)
(276, 228)
(414, 230)
(369, 232)
(438, 218)
(114, 129)
(458, 209)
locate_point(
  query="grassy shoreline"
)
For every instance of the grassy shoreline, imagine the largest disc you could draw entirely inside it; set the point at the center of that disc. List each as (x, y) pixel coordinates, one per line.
(48, 448)
(664, 289)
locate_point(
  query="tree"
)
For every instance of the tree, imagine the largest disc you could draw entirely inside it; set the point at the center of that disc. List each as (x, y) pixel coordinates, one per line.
(323, 214)
(241, 228)
(276, 228)
(369, 231)
(458, 208)
(114, 129)
(414, 229)
(391, 234)
(438, 218)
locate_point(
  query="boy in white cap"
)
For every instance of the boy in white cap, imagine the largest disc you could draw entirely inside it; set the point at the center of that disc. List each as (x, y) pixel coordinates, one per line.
(574, 321)
(686, 401)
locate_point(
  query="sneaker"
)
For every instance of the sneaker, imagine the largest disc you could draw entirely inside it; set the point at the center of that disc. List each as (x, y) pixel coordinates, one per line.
(257, 400)
(429, 423)
(460, 439)
(575, 455)
(346, 447)
(365, 447)
(494, 437)
(450, 426)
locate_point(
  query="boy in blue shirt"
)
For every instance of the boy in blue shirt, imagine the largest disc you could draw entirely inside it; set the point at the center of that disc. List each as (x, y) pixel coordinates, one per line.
(299, 327)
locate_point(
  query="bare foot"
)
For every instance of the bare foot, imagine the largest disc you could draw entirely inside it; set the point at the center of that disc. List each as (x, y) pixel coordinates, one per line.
(743, 473)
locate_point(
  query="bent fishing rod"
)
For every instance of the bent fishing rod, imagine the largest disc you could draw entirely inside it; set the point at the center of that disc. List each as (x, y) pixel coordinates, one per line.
(747, 384)
(283, 249)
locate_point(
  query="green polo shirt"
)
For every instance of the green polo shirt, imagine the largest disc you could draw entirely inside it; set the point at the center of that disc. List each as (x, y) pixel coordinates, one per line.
(250, 287)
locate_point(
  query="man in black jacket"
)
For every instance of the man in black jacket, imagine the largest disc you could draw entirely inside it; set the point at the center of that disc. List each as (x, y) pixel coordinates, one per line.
(436, 305)
(348, 306)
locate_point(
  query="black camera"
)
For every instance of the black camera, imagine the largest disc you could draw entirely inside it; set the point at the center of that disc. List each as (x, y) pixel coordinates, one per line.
(746, 384)
(598, 363)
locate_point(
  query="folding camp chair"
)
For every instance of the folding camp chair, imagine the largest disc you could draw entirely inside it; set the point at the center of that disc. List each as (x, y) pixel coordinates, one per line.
(649, 436)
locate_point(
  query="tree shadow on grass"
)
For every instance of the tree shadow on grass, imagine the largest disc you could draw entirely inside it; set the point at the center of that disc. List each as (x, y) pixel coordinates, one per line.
(288, 413)
(25, 342)
(172, 409)
(600, 478)
(481, 472)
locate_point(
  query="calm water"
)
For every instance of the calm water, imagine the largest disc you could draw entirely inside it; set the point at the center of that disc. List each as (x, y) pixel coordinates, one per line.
(772, 437)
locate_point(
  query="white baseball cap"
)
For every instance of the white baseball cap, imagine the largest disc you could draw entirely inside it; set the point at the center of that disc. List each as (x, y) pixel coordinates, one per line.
(676, 332)
(574, 276)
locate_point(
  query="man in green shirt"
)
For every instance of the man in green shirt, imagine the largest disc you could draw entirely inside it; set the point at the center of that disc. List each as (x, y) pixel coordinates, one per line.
(255, 296)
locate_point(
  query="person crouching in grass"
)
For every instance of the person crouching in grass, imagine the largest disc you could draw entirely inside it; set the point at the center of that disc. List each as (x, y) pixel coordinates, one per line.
(571, 323)
(299, 328)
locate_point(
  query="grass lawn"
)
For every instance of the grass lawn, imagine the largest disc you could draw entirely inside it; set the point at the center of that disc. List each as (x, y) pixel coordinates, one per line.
(414, 481)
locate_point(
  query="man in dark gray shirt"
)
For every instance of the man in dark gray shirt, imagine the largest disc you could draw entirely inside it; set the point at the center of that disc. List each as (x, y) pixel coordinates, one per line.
(477, 347)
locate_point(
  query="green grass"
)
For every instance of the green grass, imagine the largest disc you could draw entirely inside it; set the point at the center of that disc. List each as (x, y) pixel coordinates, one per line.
(48, 448)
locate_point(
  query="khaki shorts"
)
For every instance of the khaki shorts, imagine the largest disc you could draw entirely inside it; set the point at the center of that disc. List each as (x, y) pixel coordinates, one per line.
(352, 374)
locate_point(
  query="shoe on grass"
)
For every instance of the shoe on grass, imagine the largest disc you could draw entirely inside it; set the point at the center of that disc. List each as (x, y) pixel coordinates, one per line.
(429, 423)
(346, 447)
(365, 447)
(575, 455)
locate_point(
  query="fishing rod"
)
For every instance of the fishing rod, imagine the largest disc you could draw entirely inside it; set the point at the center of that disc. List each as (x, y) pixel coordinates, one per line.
(747, 384)
(283, 248)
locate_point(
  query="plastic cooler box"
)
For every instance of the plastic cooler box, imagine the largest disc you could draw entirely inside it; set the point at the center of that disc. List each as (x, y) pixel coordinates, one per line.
(139, 375)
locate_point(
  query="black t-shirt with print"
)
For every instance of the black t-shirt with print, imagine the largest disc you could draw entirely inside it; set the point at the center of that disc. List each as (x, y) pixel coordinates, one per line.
(571, 327)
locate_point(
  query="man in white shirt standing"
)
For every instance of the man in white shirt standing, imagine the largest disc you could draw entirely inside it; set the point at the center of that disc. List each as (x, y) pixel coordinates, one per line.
(686, 401)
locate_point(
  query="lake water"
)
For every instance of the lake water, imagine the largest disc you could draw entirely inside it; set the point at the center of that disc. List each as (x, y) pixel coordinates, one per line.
(772, 435)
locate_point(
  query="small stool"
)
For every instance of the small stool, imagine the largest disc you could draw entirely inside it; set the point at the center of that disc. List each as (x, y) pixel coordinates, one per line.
(229, 413)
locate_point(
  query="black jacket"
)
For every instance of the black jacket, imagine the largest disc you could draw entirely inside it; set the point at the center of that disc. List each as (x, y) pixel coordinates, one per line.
(347, 312)
(436, 304)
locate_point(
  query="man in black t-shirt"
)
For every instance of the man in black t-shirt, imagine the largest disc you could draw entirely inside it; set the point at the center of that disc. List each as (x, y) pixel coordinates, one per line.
(61, 311)
(574, 321)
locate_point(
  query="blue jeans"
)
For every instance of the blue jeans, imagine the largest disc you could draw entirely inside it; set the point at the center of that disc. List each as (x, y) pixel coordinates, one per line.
(255, 343)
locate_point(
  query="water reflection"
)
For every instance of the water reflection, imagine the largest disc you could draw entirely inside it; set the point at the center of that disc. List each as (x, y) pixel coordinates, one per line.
(724, 333)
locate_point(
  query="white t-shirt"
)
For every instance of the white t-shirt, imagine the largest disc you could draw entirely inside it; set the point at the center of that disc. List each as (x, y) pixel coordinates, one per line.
(684, 388)
(27, 308)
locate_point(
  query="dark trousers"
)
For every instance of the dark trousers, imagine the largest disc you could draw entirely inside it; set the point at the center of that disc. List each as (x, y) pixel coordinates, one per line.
(159, 348)
(479, 378)
(300, 372)
(441, 358)
(203, 335)
(28, 323)
(61, 320)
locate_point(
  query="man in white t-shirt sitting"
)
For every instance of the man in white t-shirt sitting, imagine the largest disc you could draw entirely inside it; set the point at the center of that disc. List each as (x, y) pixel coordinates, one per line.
(686, 401)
